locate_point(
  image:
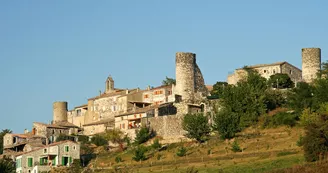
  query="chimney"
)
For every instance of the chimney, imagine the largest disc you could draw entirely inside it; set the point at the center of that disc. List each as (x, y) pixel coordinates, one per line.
(25, 131)
(127, 91)
(138, 89)
(148, 88)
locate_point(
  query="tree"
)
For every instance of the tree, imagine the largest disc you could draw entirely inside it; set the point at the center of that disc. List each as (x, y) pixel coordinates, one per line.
(168, 81)
(197, 126)
(142, 135)
(218, 88)
(7, 165)
(2, 134)
(116, 136)
(226, 123)
(99, 140)
(139, 153)
(301, 97)
(280, 81)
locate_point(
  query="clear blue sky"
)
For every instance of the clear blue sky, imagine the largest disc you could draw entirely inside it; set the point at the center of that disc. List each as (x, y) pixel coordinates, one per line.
(64, 50)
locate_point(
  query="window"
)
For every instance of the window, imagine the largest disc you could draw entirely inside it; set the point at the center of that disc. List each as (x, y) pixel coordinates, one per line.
(140, 115)
(18, 163)
(146, 96)
(30, 162)
(66, 148)
(290, 72)
(45, 151)
(170, 92)
(274, 71)
(78, 112)
(74, 147)
(123, 126)
(264, 71)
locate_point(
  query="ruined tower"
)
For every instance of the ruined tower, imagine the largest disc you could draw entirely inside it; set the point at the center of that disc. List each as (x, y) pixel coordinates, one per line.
(185, 75)
(60, 112)
(109, 85)
(311, 63)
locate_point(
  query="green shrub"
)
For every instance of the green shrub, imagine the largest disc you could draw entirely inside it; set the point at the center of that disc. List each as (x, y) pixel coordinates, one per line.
(83, 138)
(235, 147)
(182, 151)
(7, 165)
(99, 140)
(139, 153)
(299, 142)
(142, 135)
(118, 159)
(156, 145)
(197, 126)
(226, 123)
(281, 118)
(285, 153)
(307, 117)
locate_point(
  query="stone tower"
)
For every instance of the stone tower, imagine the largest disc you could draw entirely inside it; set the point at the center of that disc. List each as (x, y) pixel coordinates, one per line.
(60, 112)
(109, 85)
(311, 63)
(185, 75)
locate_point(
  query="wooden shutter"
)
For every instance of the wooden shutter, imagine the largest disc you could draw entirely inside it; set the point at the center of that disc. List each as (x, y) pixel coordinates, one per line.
(70, 160)
(63, 161)
(41, 161)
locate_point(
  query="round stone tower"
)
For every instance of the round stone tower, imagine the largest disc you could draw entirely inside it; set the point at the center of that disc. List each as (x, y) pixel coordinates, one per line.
(311, 63)
(60, 112)
(185, 75)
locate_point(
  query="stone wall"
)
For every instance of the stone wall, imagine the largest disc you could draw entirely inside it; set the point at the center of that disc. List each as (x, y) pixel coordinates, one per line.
(167, 127)
(294, 73)
(311, 63)
(59, 111)
(199, 82)
(185, 75)
(94, 129)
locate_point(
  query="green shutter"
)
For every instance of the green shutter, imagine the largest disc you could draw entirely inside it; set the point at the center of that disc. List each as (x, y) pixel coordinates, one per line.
(41, 161)
(30, 162)
(63, 161)
(54, 161)
(70, 160)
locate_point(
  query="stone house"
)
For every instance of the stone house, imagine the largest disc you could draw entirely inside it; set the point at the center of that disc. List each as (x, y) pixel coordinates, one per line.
(266, 70)
(53, 155)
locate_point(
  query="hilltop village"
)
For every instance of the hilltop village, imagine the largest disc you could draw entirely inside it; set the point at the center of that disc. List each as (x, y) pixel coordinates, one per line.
(160, 108)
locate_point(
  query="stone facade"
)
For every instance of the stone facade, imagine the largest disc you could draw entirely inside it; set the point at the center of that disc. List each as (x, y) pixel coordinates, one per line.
(59, 112)
(267, 70)
(61, 153)
(311, 63)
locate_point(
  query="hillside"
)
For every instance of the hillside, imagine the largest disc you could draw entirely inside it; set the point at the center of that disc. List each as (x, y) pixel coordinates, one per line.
(263, 150)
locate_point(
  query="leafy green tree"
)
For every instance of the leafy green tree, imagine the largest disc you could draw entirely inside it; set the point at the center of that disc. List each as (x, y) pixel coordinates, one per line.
(142, 135)
(7, 165)
(168, 81)
(116, 136)
(274, 99)
(99, 140)
(226, 123)
(280, 80)
(218, 88)
(139, 153)
(301, 97)
(320, 94)
(307, 117)
(76, 166)
(315, 141)
(235, 147)
(197, 126)
(2, 134)
(83, 139)
(156, 145)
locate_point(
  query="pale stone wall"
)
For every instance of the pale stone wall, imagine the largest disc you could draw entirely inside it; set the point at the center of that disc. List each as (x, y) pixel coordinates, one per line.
(168, 127)
(238, 75)
(76, 118)
(74, 152)
(8, 140)
(294, 73)
(199, 82)
(106, 107)
(59, 111)
(185, 75)
(94, 129)
(267, 71)
(311, 63)
(40, 129)
(91, 115)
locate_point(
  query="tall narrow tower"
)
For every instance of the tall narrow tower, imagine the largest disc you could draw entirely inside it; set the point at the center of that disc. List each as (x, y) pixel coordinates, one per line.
(311, 63)
(185, 75)
(59, 112)
(109, 84)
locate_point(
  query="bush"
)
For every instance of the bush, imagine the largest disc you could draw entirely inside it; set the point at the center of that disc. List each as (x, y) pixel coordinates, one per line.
(156, 145)
(307, 117)
(299, 142)
(226, 123)
(235, 147)
(197, 126)
(281, 118)
(182, 151)
(7, 165)
(192, 170)
(142, 135)
(99, 140)
(83, 138)
(118, 159)
(315, 142)
(139, 153)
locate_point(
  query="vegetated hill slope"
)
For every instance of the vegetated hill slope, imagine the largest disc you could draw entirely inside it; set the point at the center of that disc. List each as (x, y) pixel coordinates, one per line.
(262, 150)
